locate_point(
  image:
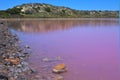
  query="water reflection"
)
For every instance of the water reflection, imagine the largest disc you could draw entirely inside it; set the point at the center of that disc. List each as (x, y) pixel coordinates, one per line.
(44, 26)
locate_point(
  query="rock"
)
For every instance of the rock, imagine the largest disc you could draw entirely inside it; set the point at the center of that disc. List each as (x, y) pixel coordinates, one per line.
(13, 61)
(27, 46)
(2, 77)
(23, 78)
(58, 58)
(11, 69)
(19, 65)
(11, 78)
(18, 70)
(32, 70)
(60, 68)
(58, 77)
(37, 76)
(45, 59)
(1, 22)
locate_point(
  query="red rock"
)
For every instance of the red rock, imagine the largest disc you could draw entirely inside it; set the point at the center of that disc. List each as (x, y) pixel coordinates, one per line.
(13, 61)
(60, 68)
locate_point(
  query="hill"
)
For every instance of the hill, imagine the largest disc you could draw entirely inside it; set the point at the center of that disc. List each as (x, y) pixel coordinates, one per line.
(42, 10)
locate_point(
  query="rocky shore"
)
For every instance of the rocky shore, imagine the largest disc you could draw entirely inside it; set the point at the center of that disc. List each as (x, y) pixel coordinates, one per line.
(13, 56)
(14, 59)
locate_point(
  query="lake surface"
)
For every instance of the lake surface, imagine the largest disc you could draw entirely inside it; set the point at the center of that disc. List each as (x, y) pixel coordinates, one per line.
(89, 47)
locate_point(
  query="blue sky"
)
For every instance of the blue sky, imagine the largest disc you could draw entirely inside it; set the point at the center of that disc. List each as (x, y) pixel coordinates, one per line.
(75, 4)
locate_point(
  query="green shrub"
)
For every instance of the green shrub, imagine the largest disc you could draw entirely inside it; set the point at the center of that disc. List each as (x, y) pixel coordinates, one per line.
(47, 9)
(14, 10)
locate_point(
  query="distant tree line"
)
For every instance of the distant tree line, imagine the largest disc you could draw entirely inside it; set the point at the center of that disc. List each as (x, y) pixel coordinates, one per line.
(99, 14)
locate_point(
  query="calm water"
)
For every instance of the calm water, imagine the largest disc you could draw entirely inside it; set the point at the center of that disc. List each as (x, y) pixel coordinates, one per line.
(89, 47)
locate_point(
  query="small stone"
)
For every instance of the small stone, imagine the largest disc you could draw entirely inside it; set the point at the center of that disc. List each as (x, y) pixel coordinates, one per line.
(58, 77)
(12, 69)
(5, 71)
(19, 70)
(19, 65)
(38, 76)
(23, 78)
(7, 59)
(60, 68)
(33, 70)
(15, 61)
(24, 63)
(58, 58)
(11, 78)
(45, 59)
(27, 46)
(25, 68)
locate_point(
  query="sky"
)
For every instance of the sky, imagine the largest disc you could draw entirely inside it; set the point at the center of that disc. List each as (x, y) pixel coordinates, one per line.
(74, 4)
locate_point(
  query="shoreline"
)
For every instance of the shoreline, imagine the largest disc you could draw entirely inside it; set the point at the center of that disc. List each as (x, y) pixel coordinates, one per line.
(15, 61)
(58, 19)
(13, 56)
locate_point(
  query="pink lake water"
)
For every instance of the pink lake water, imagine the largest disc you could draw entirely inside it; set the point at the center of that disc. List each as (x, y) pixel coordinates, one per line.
(88, 47)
